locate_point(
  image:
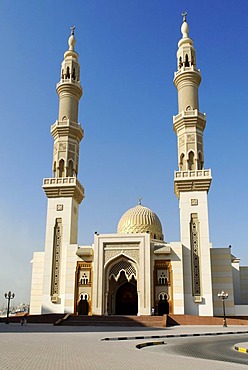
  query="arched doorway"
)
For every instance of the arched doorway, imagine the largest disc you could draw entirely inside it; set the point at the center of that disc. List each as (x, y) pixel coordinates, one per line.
(163, 305)
(126, 299)
(122, 296)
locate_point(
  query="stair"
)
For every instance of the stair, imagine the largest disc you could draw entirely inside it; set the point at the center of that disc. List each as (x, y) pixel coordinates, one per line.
(115, 320)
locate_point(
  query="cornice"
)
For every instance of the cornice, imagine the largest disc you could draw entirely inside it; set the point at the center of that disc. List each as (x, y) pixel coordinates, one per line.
(189, 118)
(63, 187)
(195, 180)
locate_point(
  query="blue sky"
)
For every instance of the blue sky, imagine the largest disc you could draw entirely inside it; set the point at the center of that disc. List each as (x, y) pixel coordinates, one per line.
(128, 57)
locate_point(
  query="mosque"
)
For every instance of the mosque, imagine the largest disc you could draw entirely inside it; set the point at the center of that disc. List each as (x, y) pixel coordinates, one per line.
(134, 271)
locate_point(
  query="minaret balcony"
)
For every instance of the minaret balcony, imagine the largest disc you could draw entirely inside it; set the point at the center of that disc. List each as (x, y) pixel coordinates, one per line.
(190, 117)
(68, 86)
(192, 180)
(67, 128)
(191, 68)
(60, 187)
(69, 80)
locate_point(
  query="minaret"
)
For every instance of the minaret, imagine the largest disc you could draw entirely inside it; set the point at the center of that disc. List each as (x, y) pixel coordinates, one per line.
(64, 191)
(192, 181)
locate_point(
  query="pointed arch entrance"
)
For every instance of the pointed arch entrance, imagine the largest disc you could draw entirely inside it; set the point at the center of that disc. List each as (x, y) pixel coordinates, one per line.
(122, 288)
(126, 299)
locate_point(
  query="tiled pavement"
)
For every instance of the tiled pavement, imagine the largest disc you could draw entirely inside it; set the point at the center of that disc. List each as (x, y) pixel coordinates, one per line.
(45, 347)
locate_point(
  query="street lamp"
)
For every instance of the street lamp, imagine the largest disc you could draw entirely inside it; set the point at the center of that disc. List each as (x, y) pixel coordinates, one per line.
(223, 295)
(8, 296)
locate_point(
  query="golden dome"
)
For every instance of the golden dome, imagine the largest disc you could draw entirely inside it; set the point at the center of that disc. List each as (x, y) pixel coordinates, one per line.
(140, 219)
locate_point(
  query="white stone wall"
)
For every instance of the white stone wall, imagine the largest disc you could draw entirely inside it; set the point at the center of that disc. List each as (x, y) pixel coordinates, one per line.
(187, 207)
(222, 279)
(176, 257)
(37, 283)
(68, 212)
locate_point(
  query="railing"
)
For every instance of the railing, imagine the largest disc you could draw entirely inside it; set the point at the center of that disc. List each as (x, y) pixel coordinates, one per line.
(193, 112)
(66, 122)
(62, 181)
(192, 173)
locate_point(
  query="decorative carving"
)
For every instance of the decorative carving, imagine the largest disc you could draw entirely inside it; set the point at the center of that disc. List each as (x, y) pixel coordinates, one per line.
(110, 254)
(140, 219)
(62, 146)
(195, 255)
(190, 138)
(194, 202)
(122, 246)
(181, 140)
(124, 266)
(56, 260)
(59, 207)
(55, 149)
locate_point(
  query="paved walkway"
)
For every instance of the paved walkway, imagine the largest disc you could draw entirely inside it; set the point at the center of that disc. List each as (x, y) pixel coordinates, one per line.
(45, 347)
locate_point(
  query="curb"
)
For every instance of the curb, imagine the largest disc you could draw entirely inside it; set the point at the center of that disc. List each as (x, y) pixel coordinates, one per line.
(148, 344)
(240, 349)
(173, 336)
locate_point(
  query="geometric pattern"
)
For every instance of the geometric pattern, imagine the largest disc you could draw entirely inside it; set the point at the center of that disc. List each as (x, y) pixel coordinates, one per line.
(195, 256)
(131, 253)
(124, 266)
(56, 258)
(140, 219)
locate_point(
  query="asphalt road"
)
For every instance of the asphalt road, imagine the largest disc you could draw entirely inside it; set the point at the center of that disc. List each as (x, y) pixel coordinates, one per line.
(211, 348)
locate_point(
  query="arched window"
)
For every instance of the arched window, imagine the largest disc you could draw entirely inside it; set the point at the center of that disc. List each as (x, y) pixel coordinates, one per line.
(192, 60)
(84, 296)
(180, 64)
(73, 74)
(186, 60)
(68, 72)
(84, 279)
(61, 168)
(182, 162)
(200, 161)
(70, 168)
(54, 169)
(191, 162)
(162, 279)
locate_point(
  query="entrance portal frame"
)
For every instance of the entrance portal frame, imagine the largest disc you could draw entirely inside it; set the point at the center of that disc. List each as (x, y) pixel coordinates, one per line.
(111, 247)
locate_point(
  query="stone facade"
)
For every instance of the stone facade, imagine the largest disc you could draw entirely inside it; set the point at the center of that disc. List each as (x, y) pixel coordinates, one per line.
(135, 271)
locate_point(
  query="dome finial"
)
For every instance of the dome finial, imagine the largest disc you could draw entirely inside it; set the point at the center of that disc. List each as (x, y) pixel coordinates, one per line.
(139, 200)
(72, 40)
(73, 29)
(185, 27)
(184, 14)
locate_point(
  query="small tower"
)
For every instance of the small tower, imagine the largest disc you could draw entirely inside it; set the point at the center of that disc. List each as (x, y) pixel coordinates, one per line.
(192, 181)
(64, 192)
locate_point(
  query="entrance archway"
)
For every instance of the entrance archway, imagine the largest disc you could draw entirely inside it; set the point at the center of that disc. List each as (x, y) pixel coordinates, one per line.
(163, 305)
(126, 299)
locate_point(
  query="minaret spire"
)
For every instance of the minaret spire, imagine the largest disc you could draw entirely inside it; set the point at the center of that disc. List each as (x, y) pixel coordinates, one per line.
(192, 181)
(189, 123)
(63, 190)
(66, 131)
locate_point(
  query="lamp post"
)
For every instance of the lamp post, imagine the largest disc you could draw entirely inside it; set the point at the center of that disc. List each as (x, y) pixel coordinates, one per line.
(8, 296)
(223, 295)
